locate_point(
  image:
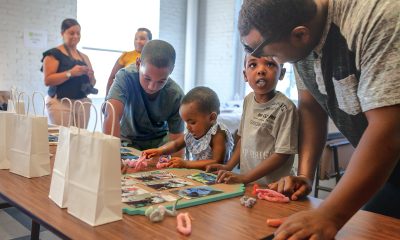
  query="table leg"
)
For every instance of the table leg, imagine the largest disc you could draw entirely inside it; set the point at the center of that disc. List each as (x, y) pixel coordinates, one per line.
(35, 230)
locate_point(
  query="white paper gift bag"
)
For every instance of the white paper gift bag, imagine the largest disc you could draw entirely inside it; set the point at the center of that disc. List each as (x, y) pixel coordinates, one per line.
(29, 145)
(5, 121)
(5, 124)
(13, 105)
(95, 178)
(59, 179)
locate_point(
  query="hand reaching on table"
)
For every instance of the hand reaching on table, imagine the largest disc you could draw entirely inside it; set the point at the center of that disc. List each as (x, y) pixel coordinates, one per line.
(152, 153)
(229, 177)
(177, 162)
(312, 224)
(215, 167)
(295, 187)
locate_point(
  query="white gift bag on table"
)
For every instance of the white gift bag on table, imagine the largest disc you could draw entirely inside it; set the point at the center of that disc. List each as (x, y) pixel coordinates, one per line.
(29, 144)
(5, 122)
(59, 179)
(13, 105)
(95, 177)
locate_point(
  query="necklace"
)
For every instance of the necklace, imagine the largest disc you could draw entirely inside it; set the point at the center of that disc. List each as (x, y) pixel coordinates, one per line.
(70, 55)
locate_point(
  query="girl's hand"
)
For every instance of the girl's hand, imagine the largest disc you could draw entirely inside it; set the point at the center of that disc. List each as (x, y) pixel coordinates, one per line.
(229, 177)
(153, 152)
(215, 167)
(177, 162)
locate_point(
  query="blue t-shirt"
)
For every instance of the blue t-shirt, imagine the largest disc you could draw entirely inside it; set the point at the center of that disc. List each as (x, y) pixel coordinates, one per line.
(143, 118)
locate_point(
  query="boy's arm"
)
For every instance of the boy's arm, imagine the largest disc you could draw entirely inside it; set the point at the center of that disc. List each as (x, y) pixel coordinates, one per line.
(370, 166)
(218, 147)
(270, 164)
(232, 162)
(108, 118)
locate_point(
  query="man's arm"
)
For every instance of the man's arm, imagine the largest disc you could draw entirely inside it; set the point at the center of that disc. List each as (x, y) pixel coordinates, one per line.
(370, 166)
(108, 118)
(312, 138)
(173, 137)
(312, 133)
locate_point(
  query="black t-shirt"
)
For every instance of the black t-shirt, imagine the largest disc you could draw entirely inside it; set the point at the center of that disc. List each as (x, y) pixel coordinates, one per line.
(72, 88)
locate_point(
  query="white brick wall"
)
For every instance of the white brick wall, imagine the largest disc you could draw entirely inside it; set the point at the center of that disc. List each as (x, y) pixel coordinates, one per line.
(20, 65)
(215, 46)
(173, 30)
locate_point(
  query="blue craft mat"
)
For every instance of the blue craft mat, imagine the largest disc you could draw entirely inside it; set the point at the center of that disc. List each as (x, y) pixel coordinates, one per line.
(230, 191)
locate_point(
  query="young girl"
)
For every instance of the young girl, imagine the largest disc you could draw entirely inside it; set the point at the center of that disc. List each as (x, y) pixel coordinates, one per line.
(208, 140)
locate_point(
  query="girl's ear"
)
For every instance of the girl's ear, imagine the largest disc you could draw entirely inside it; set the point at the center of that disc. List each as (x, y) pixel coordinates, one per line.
(213, 116)
(282, 74)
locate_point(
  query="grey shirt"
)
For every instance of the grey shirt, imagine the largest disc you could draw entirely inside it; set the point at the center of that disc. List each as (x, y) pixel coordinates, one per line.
(356, 66)
(143, 118)
(267, 128)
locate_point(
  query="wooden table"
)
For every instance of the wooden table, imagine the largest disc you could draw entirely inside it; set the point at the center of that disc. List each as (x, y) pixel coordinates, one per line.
(225, 219)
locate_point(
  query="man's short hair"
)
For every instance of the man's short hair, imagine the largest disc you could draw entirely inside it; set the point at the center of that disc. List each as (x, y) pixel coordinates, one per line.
(149, 35)
(275, 19)
(207, 100)
(158, 53)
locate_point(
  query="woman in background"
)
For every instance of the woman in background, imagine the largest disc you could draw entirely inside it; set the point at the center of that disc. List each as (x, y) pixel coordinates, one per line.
(142, 36)
(68, 74)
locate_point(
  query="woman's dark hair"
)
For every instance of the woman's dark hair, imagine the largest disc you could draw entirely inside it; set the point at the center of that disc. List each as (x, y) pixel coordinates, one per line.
(274, 19)
(149, 35)
(206, 99)
(67, 23)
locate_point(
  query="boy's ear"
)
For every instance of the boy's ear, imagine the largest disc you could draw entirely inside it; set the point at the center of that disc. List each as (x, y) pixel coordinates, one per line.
(282, 74)
(245, 76)
(138, 62)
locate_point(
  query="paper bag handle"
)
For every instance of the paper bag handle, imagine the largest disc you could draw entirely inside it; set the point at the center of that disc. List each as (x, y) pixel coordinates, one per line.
(70, 111)
(33, 102)
(113, 115)
(19, 97)
(84, 114)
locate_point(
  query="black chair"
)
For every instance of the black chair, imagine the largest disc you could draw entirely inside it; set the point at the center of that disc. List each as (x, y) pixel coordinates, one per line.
(340, 140)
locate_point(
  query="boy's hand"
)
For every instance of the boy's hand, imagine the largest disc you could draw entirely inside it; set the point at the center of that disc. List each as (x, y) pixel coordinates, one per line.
(215, 167)
(312, 224)
(225, 176)
(177, 162)
(295, 187)
(153, 152)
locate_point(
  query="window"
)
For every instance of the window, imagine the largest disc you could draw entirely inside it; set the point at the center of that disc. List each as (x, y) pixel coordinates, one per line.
(109, 28)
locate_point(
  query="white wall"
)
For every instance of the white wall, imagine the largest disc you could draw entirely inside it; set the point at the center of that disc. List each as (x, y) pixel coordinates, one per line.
(215, 46)
(173, 30)
(19, 64)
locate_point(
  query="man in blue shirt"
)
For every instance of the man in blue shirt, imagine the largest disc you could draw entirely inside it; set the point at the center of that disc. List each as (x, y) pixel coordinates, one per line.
(146, 102)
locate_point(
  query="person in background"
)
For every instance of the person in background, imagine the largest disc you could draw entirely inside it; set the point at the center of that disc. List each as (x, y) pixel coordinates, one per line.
(142, 36)
(345, 55)
(69, 74)
(268, 129)
(147, 101)
(207, 140)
